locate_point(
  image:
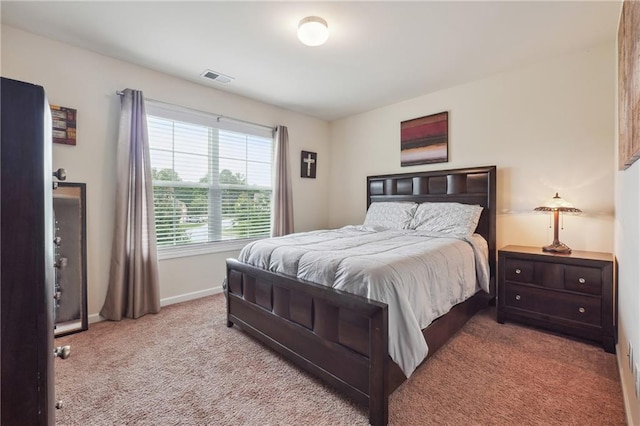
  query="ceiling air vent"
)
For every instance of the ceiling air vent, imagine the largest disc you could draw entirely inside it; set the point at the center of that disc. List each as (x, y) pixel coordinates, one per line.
(216, 76)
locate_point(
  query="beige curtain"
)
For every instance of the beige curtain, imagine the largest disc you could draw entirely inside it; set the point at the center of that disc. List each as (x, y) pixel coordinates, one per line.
(282, 222)
(133, 280)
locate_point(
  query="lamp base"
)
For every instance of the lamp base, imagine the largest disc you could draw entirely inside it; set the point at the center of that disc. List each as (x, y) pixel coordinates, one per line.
(557, 247)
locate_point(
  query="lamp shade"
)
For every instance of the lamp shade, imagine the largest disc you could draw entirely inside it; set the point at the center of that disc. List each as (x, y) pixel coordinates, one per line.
(557, 205)
(313, 31)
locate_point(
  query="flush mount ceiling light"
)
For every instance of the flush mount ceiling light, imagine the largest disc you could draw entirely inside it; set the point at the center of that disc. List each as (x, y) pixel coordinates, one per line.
(313, 31)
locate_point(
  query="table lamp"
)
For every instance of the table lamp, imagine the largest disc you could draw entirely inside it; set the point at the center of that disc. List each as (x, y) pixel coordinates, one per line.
(557, 205)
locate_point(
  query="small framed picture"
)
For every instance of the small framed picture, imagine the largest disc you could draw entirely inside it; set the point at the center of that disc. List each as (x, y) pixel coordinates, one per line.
(308, 164)
(64, 124)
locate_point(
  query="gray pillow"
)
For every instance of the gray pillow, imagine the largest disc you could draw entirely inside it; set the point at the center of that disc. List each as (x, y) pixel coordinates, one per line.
(447, 218)
(390, 215)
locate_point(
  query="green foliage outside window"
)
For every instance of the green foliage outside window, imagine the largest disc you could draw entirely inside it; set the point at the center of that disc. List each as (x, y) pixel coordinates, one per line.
(244, 212)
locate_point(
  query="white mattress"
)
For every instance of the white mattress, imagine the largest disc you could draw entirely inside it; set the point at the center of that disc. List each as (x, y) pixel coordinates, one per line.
(418, 275)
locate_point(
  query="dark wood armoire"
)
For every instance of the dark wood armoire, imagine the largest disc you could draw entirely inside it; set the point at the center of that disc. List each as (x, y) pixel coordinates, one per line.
(27, 257)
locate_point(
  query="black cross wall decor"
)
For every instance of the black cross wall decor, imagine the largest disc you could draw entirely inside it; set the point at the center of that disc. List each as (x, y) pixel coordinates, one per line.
(308, 164)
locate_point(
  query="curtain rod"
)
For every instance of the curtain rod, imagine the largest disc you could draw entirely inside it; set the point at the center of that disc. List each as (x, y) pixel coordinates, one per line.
(219, 116)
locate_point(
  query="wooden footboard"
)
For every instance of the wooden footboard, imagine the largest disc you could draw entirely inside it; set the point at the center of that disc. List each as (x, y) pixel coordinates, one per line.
(337, 336)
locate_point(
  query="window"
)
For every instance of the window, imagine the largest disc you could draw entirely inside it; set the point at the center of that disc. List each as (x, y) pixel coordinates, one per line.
(211, 177)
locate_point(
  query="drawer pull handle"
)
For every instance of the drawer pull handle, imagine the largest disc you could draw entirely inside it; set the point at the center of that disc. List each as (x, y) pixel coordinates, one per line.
(62, 351)
(582, 280)
(582, 310)
(517, 297)
(518, 271)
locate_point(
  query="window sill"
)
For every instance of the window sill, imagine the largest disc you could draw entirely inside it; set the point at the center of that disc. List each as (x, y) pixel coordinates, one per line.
(202, 249)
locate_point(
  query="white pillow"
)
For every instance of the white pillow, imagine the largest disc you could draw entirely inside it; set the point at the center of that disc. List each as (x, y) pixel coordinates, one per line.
(447, 218)
(391, 215)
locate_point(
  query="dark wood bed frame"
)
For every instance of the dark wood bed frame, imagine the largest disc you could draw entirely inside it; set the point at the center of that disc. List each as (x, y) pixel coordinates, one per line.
(342, 338)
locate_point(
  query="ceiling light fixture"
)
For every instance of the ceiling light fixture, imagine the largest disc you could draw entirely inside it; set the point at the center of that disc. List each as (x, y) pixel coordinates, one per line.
(313, 31)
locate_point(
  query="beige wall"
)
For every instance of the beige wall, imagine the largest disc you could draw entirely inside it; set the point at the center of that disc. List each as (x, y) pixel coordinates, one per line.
(86, 81)
(627, 249)
(547, 127)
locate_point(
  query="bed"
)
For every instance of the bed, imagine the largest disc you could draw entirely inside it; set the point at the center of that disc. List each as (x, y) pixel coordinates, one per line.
(341, 337)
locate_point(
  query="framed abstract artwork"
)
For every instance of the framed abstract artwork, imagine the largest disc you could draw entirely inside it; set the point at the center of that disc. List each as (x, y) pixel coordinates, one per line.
(629, 84)
(425, 140)
(308, 164)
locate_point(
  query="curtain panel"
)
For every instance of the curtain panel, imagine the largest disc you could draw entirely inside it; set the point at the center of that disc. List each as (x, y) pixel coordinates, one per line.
(282, 207)
(133, 280)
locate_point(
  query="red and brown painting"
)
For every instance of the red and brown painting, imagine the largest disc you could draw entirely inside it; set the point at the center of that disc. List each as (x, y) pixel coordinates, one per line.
(424, 140)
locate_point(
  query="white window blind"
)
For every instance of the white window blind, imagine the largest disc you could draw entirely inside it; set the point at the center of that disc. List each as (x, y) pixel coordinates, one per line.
(211, 176)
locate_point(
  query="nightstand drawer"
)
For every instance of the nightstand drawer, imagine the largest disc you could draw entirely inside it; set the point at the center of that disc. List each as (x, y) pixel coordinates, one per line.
(583, 279)
(518, 270)
(584, 309)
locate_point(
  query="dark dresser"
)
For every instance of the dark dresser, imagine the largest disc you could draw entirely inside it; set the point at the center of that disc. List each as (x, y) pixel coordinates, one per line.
(574, 294)
(27, 258)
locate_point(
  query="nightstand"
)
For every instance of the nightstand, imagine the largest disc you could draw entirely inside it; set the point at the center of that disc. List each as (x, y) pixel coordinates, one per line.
(573, 293)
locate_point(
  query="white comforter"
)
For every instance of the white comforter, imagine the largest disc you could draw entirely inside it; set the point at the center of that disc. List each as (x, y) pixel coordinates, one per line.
(419, 276)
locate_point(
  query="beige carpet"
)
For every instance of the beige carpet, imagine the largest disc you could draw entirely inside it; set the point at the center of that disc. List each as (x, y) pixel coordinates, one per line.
(183, 366)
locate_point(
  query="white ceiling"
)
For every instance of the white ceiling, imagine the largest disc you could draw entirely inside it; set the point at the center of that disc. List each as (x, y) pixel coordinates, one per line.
(378, 53)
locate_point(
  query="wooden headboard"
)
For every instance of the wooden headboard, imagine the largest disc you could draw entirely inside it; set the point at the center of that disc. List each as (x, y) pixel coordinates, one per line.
(475, 185)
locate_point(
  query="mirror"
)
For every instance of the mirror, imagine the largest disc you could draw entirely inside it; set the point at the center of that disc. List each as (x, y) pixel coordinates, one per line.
(69, 209)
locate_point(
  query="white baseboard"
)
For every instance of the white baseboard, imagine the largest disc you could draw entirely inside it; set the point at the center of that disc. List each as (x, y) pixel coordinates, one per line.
(627, 394)
(190, 296)
(93, 318)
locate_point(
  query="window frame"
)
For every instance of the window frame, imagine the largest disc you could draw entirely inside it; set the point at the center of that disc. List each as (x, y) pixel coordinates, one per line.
(187, 115)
